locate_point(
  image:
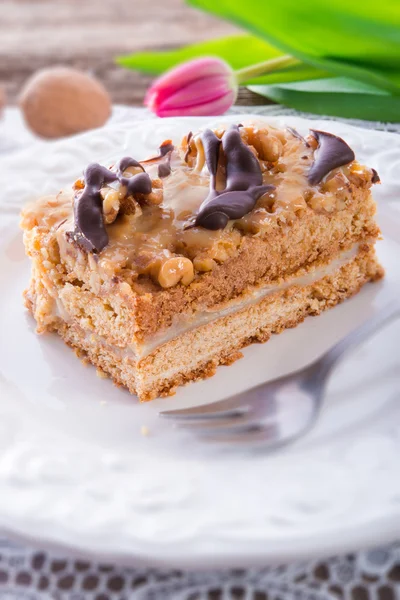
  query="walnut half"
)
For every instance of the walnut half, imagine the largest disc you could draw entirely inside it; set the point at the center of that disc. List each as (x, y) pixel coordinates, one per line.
(174, 270)
(111, 204)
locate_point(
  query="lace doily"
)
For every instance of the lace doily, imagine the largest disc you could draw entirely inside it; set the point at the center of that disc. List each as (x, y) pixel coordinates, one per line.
(29, 574)
(26, 574)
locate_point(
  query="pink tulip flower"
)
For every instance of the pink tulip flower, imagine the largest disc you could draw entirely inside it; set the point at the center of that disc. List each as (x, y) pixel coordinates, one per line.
(200, 87)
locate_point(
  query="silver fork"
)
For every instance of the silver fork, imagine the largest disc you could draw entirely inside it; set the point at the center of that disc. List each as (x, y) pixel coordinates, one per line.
(280, 411)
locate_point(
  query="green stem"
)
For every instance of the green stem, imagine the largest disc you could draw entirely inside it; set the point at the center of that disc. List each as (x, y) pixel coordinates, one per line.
(274, 64)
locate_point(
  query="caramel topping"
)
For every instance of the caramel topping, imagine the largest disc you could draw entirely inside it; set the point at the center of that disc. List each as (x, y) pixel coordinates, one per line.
(216, 188)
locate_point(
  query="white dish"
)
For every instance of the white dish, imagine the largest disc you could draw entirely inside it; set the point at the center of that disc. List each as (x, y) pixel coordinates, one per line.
(75, 470)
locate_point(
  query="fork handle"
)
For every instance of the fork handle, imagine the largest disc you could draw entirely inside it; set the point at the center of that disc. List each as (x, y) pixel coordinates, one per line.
(326, 363)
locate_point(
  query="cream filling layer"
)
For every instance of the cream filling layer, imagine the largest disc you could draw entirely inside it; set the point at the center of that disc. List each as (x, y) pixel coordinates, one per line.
(184, 323)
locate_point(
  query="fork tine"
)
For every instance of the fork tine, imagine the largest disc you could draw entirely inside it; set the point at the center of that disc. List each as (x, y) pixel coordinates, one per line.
(213, 423)
(245, 402)
(267, 434)
(230, 408)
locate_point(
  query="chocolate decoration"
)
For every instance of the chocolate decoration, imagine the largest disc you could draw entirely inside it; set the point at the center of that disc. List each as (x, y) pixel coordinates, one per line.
(232, 205)
(127, 162)
(242, 169)
(96, 175)
(215, 220)
(332, 152)
(163, 150)
(298, 135)
(138, 184)
(90, 232)
(163, 170)
(243, 180)
(375, 177)
(166, 147)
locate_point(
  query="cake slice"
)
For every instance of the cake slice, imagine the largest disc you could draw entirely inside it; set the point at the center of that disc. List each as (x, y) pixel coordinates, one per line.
(158, 271)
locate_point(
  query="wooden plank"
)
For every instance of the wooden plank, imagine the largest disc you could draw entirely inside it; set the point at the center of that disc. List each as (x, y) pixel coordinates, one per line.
(89, 33)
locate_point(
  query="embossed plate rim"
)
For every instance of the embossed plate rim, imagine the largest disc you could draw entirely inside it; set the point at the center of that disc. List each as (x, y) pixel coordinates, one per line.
(33, 486)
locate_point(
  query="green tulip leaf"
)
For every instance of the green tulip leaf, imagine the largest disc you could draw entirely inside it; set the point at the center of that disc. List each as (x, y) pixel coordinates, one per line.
(337, 96)
(351, 38)
(237, 50)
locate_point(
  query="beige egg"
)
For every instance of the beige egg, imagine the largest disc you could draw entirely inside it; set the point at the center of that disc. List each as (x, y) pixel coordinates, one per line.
(62, 101)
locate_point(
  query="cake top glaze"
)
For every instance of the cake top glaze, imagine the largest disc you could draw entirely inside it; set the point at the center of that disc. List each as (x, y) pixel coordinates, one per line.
(187, 208)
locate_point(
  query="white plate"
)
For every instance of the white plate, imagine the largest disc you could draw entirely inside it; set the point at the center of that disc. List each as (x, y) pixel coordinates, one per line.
(75, 471)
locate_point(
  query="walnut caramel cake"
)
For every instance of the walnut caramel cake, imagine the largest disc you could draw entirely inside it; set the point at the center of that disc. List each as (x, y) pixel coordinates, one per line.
(157, 271)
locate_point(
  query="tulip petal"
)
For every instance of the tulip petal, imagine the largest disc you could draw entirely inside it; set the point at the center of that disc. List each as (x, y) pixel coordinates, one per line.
(212, 108)
(189, 71)
(204, 86)
(202, 90)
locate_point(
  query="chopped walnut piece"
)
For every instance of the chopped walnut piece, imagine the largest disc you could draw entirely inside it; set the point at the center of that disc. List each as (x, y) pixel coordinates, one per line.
(271, 148)
(174, 270)
(201, 159)
(111, 204)
(312, 141)
(336, 183)
(154, 198)
(131, 171)
(129, 206)
(203, 264)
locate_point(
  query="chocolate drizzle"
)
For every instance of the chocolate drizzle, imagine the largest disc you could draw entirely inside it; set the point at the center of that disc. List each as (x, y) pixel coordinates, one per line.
(242, 169)
(138, 184)
(229, 205)
(90, 231)
(127, 162)
(164, 169)
(375, 176)
(243, 180)
(165, 150)
(166, 146)
(332, 152)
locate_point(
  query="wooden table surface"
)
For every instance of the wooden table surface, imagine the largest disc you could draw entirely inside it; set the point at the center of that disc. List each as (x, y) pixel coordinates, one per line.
(89, 33)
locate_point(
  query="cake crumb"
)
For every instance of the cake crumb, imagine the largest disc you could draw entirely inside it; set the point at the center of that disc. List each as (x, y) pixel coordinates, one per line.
(82, 355)
(100, 373)
(103, 402)
(144, 430)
